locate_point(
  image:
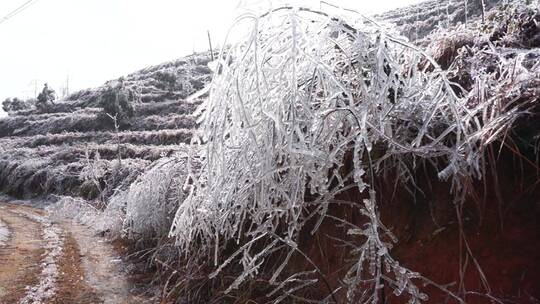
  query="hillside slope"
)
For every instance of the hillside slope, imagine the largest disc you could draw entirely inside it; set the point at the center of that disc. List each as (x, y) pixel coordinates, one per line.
(68, 149)
(50, 151)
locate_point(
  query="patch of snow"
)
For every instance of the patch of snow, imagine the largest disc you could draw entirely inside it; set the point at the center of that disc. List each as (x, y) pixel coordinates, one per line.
(54, 240)
(4, 233)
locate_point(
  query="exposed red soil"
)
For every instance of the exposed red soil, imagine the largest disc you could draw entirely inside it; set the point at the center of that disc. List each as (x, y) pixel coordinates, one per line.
(500, 223)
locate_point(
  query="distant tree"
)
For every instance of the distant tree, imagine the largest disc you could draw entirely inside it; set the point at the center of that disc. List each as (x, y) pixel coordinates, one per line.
(11, 105)
(46, 96)
(117, 101)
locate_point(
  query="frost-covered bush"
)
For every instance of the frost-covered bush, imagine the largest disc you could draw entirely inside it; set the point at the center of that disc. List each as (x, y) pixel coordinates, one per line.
(311, 105)
(117, 103)
(144, 211)
(76, 209)
(152, 200)
(16, 104)
(167, 80)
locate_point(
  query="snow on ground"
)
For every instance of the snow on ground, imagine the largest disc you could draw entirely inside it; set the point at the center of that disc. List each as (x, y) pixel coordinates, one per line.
(54, 240)
(4, 233)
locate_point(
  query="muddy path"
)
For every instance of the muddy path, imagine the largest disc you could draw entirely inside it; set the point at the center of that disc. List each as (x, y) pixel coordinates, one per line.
(20, 256)
(47, 261)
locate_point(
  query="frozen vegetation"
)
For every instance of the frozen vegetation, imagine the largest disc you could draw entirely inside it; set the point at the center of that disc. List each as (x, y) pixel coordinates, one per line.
(270, 180)
(418, 21)
(174, 80)
(311, 105)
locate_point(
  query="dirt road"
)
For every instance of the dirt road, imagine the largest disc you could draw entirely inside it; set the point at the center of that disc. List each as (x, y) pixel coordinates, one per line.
(43, 261)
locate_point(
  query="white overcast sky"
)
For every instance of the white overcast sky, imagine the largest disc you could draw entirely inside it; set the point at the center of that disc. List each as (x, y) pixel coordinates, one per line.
(93, 41)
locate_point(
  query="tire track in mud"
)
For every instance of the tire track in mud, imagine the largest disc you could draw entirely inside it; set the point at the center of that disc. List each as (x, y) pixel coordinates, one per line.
(103, 268)
(53, 244)
(20, 258)
(72, 284)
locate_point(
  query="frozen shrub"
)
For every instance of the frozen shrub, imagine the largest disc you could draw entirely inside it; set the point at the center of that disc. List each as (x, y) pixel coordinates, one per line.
(311, 105)
(12, 105)
(76, 209)
(117, 102)
(167, 79)
(149, 204)
(46, 98)
(153, 199)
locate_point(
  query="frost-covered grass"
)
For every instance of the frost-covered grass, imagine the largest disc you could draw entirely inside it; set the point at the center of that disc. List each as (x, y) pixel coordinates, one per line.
(165, 108)
(84, 212)
(27, 173)
(21, 126)
(21, 117)
(162, 122)
(162, 136)
(54, 163)
(419, 20)
(88, 123)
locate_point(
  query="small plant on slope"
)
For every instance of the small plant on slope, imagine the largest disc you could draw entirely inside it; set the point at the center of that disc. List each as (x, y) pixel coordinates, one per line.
(117, 102)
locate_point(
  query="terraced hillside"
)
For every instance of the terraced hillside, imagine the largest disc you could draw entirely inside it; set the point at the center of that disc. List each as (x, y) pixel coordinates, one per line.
(69, 150)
